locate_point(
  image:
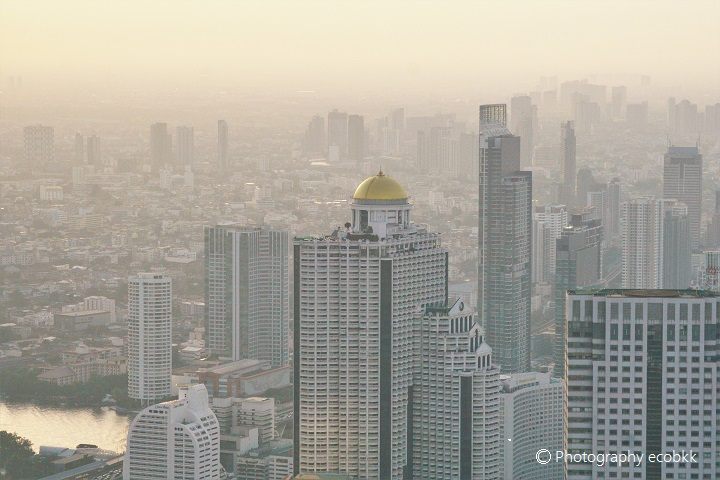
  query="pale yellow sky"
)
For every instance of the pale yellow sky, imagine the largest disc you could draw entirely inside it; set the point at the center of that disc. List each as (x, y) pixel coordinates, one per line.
(354, 44)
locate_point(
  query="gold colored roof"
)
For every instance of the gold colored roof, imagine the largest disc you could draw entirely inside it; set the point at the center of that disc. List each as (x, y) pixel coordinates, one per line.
(380, 187)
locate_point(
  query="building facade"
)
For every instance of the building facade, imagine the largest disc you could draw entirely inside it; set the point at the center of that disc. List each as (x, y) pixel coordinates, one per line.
(642, 376)
(247, 293)
(178, 440)
(149, 320)
(504, 236)
(682, 181)
(357, 295)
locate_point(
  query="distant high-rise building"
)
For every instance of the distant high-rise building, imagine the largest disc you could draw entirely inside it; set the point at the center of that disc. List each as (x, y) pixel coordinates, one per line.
(185, 145)
(548, 223)
(568, 165)
(712, 119)
(179, 439)
(160, 146)
(356, 138)
(584, 185)
(358, 293)
(523, 117)
(642, 243)
(642, 377)
(683, 117)
(636, 114)
(708, 277)
(455, 401)
(337, 135)
(533, 417)
(504, 236)
(578, 258)
(677, 249)
(612, 229)
(682, 180)
(598, 202)
(79, 158)
(492, 116)
(222, 145)
(39, 146)
(713, 230)
(618, 101)
(94, 156)
(247, 304)
(314, 142)
(149, 321)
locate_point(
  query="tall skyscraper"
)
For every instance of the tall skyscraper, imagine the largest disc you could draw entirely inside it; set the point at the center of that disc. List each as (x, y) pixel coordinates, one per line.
(533, 417)
(642, 377)
(655, 244)
(356, 138)
(642, 243)
(179, 439)
(523, 117)
(357, 296)
(222, 146)
(578, 258)
(612, 229)
(682, 180)
(185, 145)
(618, 100)
(677, 249)
(712, 239)
(568, 165)
(160, 146)
(337, 136)
(548, 223)
(504, 236)
(39, 146)
(94, 157)
(455, 400)
(492, 116)
(247, 306)
(149, 321)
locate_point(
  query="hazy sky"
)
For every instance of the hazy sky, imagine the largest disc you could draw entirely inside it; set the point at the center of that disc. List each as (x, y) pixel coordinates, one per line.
(334, 44)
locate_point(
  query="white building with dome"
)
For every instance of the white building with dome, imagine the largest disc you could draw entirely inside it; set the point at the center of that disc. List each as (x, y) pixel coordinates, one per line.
(360, 292)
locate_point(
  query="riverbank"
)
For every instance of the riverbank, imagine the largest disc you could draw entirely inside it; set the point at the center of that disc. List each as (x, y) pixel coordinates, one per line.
(22, 386)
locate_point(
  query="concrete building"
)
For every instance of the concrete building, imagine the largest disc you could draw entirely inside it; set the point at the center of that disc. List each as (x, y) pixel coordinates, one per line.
(357, 294)
(356, 138)
(185, 145)
(548, 223)
(149, 336)
(81, 320)
(504, 236)
(682, 181)
(94, 156)
(39, 145)
(642, 377)
(523, 118)
(247, 293)
(533, 411)
(337, 136)
(456, 422)
(578, 264)
(243, 378)
(568, 163)
(176, 440)
(160, 146)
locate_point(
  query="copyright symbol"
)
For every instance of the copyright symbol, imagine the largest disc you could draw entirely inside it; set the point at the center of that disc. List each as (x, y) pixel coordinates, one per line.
(543, 456)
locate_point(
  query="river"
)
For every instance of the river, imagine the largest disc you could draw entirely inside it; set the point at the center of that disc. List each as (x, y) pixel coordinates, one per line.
(61, 427)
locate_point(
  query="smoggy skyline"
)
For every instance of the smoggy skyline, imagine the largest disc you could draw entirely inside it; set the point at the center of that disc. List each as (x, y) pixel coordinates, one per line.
(369, 47)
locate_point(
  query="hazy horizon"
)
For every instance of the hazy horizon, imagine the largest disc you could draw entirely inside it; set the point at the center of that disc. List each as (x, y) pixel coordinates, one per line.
(462, 47)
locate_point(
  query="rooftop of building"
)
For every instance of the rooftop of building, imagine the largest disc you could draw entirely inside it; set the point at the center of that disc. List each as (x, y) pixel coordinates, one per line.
(644, 293)
(691, 151)
(380, 187)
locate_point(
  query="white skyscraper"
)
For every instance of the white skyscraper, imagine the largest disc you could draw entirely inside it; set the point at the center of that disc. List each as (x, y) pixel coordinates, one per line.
(247, 293)
(149, 336)
(548, 223)
(176, 440)
(655, 238)
(642, 376)
(456, 429)
(358, 293)
(533, 417)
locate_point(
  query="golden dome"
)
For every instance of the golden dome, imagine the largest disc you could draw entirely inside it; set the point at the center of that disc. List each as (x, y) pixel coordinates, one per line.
(380, 187)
